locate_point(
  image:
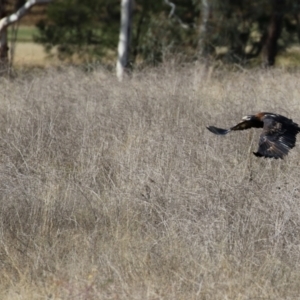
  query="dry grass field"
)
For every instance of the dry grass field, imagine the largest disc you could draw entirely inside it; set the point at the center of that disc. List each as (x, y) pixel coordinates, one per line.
(32, 55)
(115, 190)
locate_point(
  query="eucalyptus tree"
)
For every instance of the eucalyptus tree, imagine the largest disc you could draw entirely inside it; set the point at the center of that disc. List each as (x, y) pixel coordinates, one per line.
(9, 18)
(124, 37)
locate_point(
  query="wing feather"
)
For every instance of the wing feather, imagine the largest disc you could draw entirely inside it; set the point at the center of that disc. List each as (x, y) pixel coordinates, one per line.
(246, 125)
(278, 137)
(218, 131)
(240, 126)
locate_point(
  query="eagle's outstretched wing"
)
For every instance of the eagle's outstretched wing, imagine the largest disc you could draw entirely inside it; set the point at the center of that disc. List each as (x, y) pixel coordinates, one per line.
(240, 126)
(278, 137)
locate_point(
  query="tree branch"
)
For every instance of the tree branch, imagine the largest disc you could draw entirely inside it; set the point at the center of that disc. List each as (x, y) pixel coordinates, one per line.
(6, 21)
(172, 14)
(173, 7)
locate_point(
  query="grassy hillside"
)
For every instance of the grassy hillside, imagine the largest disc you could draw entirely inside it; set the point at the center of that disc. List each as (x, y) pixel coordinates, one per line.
(117, 191)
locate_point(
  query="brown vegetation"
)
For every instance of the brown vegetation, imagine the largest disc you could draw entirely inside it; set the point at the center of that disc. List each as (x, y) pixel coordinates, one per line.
(32, 55)
(117, 191)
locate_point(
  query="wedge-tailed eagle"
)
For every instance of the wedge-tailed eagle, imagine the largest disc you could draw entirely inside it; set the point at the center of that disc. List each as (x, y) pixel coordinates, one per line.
(278, 135)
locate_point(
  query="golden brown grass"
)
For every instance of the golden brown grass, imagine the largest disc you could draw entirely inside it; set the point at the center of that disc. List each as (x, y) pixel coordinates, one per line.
(29, 54)
(115, 190)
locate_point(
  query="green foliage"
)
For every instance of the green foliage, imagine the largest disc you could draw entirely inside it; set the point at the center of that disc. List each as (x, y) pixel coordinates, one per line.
(82, 28)
(238, 26)
(157, 33)
(236, 30)
(91, 28)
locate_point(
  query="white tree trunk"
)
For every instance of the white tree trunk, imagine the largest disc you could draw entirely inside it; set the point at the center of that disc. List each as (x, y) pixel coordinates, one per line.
(124, 37)
(203, 32)
(8, 20)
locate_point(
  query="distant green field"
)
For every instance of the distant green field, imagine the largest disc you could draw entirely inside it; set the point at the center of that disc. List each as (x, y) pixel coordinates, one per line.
(24, 33)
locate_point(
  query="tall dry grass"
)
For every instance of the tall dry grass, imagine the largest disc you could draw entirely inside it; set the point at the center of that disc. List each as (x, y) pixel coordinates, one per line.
(115, 190)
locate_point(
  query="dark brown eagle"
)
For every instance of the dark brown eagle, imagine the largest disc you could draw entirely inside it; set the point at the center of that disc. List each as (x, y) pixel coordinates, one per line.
(278, 136)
